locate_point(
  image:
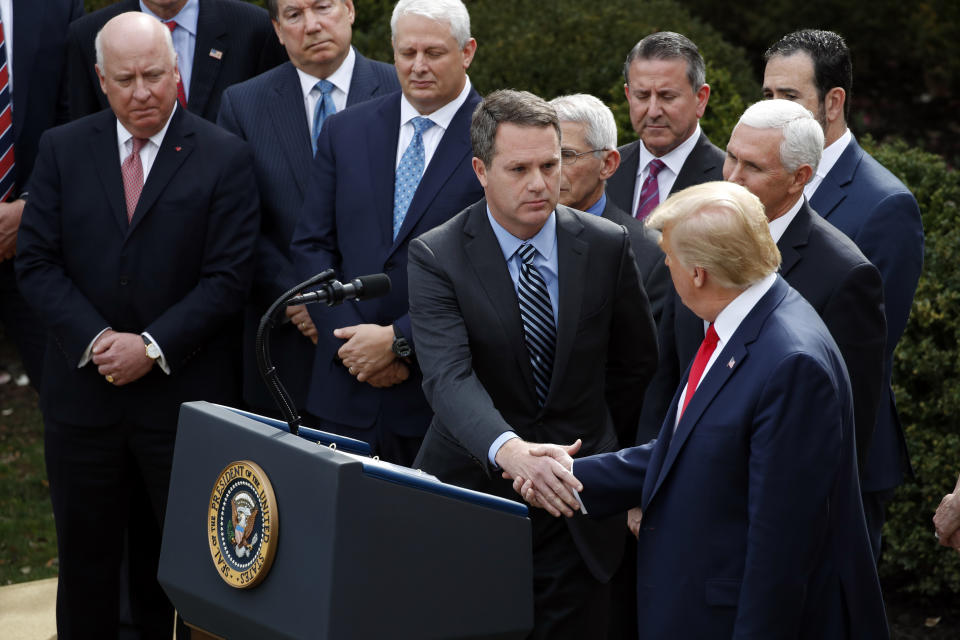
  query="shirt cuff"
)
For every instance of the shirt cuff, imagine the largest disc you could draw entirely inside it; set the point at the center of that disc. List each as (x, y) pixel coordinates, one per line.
(576, 494)
(85, 358)
(499, 442)
(162, 361)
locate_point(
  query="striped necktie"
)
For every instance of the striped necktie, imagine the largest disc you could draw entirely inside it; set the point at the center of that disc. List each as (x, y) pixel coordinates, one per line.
(650, 191)
(536, 312)
(6, 124)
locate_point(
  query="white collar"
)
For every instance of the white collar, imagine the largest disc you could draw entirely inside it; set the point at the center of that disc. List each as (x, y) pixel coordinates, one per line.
(339, 78)
(442, 116)
(779, 226)
(675, 158)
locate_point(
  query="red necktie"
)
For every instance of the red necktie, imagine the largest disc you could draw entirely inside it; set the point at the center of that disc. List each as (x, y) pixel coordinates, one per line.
(706, 350)
(6, 124)
(132, 172)
(650, 191)
(181, 94)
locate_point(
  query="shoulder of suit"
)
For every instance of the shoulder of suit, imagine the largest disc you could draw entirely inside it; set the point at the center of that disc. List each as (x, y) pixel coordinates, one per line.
(843, 249)
(263, 82)
(874, 176)
(451, 230)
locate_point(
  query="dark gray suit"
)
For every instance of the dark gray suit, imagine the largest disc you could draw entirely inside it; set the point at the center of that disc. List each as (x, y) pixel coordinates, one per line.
(704, 164)
(479, 382)
(267, 111)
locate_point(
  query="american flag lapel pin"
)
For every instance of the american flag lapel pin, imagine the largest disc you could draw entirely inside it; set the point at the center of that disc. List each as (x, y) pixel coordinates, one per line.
(731, 363)
(216, 54)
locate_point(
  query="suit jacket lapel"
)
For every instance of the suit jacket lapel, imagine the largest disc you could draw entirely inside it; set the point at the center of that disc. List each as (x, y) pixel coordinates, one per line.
(290, 125)
(211, 34)
(620, 187)
(832, 189)
(453, 147)
(363, 82)
(485, 255)
(106, 158)
(696, 165)
(572, 253)
(382, 134)
(27, 19)
(176, 146)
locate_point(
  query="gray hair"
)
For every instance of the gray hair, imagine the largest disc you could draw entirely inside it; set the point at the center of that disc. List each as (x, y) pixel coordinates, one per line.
(521, 108)
(802, 134)
(600, 129)
(167, 41)
(667, 45)
(453, 12)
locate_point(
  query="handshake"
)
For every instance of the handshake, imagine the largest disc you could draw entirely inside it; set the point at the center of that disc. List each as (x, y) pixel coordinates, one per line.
(946, 521)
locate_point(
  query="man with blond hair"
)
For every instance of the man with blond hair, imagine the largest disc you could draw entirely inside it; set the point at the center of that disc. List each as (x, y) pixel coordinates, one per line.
(752, 523)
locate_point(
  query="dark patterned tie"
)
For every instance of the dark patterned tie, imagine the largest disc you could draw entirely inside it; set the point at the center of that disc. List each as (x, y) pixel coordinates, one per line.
(538, 325)
(6, 124)
(650, 191)
(181, 94)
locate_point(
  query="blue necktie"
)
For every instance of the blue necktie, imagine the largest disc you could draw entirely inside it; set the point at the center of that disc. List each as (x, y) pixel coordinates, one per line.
(409, 172)
(6, 125)
(536, 312)
(324, 108)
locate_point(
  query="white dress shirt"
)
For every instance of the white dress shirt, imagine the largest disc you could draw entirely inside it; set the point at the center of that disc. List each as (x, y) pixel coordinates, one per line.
(668, 175)
(184, 38)
(431, 137)
(341, 88)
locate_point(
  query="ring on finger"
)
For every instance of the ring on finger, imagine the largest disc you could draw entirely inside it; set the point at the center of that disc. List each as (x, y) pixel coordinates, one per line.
(109, 378)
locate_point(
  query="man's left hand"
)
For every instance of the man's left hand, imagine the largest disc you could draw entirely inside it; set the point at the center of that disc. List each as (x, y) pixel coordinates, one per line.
(10, 214)
(367, 350)
(122, 357)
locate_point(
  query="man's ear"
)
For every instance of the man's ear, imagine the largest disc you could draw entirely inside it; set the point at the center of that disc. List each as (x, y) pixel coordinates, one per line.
(481, 170)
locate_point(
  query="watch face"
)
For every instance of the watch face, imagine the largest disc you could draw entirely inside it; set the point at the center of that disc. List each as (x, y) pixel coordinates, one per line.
(402, 348)
(153, 351)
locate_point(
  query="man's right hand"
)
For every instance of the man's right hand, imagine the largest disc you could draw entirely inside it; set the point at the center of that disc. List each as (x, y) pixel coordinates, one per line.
(541, 474)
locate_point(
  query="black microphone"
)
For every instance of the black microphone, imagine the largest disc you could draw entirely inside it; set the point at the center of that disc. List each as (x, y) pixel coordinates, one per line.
(334, 292)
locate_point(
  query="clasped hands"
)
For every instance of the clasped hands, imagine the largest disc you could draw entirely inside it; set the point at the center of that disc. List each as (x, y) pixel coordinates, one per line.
(368, 355)
(946, 521)
(121, 358)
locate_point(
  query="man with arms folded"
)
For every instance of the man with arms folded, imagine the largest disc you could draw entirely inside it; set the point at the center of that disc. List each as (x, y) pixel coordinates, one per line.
(385, 172)
(752, 522)
(280, 114)
(870, 205)
(137, 260)
(532, 326)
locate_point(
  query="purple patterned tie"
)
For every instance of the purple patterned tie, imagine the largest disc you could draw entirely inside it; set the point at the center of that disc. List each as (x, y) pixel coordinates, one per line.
(650, 192)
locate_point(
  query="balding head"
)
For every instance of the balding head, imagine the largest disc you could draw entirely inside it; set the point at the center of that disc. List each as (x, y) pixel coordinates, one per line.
(137, 67)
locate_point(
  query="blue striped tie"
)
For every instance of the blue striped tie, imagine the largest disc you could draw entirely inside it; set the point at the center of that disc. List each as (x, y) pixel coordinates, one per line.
(324, 108)
(538, 325)
(6, 124)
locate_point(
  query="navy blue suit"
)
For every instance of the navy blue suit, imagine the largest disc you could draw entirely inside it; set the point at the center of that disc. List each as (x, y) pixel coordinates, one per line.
(240, 31)
(347, 225)
(40, 32)
(268, 112)
(752, 524)
(180, 271)
(874, 209)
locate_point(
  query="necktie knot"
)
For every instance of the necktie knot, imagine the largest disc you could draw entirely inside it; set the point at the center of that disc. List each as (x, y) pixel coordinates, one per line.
(711, 338)
(527, 253)
(138, 144)
(325, 87)
(421, 124)
(171, 24)
(655, 166)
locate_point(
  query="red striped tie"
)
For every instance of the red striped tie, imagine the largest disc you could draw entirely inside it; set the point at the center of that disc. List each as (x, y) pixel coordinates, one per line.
(650, 191)
(181, 94)
(6, 124)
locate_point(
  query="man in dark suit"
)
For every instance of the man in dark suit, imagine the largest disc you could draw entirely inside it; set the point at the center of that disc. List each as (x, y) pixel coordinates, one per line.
(869, 204)
(218, 43)
(34, 67)
(280, 113)
(532, 326)
(818, 261)
(752, 523)
(366, 380)
(589, 157)
(665, 83)
(137, 262)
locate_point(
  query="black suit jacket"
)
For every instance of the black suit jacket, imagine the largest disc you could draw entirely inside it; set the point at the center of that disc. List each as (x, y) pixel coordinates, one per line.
(240, 31)
(477, 374)
(704, 164)
(180, 270)
(655, 275)
(267, 112)
(831, 273)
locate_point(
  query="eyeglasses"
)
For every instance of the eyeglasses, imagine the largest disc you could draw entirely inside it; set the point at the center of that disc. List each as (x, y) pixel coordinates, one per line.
(569, 156)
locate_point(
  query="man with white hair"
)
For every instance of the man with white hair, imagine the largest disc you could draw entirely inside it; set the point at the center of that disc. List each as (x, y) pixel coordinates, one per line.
(752, 522)
(588, 158)
(386, 171)
(137, 260)
(773, 151)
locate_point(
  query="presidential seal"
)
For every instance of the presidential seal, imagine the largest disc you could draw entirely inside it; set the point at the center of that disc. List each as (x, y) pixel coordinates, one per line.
(242, 524)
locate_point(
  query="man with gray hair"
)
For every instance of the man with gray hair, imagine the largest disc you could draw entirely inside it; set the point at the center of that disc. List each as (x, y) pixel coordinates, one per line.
(752, 522)
(589, 157)
(386, 171)
(773, 151)
(137, 261)
(666, 89)
(532, 326)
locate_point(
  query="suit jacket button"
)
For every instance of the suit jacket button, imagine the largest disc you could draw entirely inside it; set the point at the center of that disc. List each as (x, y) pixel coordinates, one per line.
(124, 282)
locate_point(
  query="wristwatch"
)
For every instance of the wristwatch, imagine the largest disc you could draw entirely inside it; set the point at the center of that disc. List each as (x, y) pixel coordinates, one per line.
(153, 351)
(400, 347)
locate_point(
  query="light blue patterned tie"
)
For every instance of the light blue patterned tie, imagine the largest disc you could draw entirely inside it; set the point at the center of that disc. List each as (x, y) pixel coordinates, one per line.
(324, 108)
(409, 172)
(536, 312)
